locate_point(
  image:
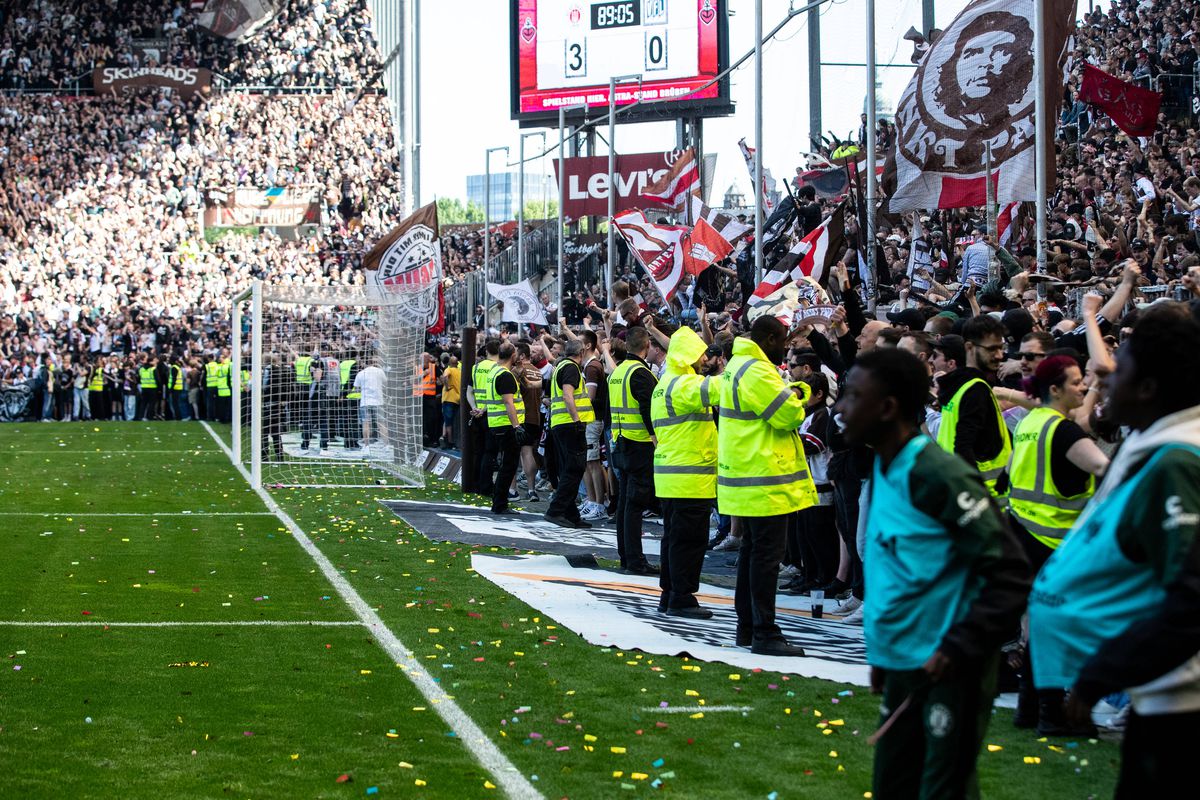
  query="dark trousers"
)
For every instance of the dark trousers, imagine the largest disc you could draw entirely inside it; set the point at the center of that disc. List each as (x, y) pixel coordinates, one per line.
(570, 451)
(149, 400)
(1156, 755)
(930, 750)
(431, 419)
(816, 532)
(502, 447)
(685, 538)
(97, 406)
(306, 415)
(763, 542)
(845, 504)
(635, 494)
(224, 408)
(477, 430)
(210, 403)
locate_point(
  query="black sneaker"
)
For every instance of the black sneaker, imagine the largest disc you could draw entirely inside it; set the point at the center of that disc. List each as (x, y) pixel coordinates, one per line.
(562, 522)
(644, 568)
(692, 612)
(744, 638)
(775, 647)
(581, 523)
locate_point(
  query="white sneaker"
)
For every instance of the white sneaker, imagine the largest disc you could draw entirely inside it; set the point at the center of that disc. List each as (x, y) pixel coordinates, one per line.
(855, 617)
(787, 571)
(592, 512)
(850, 606)
(729, 543)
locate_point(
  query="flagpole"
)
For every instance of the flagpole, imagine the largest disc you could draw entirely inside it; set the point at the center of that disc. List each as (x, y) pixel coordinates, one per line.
(1041, 132)
(487, 214)
(758, 145)
(990, 211)
(562, 197)
(870, 177)
(612, 170)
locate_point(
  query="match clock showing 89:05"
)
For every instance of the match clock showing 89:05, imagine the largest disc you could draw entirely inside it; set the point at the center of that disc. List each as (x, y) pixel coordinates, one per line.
(565, 52)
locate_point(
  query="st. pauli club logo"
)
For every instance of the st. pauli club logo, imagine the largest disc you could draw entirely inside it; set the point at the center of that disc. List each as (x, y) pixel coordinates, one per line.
(707, 14)
(528, 31)
(974, 88)
(522, 301)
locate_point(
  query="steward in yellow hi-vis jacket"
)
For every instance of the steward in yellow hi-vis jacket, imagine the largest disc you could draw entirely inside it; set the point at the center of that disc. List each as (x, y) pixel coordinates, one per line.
(685, 469)
(762, 475)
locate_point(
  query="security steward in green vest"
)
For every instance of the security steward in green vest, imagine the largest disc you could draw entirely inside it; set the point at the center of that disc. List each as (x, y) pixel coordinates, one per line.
(212, 379)
(1053, 476)
(972, 425)
(570, 412)
(762, 475)
(177, 393)
(685, 469)
(478, 400)
(348, 418)
(225, 388)
(505, 434)
(630, 390)
(302, 400)
(148, 391)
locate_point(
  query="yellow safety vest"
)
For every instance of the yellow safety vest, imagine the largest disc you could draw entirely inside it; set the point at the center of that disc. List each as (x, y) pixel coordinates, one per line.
(345, 367)
(96, 383)
(177, 377)
(559, 415)
(761, 468)
(497, 412)
(146, 378)
(627, 419)
(223, 370)
(245, 380)
(481, 379)
(993, 468)
(212, 374)
(304, 370)
(1033, 497)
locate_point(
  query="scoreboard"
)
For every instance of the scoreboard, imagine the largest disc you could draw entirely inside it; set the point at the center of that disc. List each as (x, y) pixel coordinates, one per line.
(565, 51)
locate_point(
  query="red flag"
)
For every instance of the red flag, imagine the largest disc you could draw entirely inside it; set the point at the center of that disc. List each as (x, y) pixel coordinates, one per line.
(1134, 109)
(703, 246)
(439, 325)
(671, 190)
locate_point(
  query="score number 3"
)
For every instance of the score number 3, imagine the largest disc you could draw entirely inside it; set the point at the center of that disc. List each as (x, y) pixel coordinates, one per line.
(575, 59)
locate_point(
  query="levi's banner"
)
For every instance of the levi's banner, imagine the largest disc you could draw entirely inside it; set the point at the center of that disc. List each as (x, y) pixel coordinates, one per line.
(586, 181)
(276, 207)
(974, 87)
(185, 80)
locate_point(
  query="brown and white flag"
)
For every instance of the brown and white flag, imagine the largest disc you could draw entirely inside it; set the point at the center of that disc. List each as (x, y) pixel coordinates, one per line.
(975, 87)
(410, 254)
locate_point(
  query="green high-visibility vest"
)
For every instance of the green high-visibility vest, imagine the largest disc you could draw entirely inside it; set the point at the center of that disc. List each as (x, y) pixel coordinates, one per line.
(177, 377)
(304, 370)
(627, 419)
(245, 380)
(146, 376)
(559, 415)
(685, 458)
(212, 374)
(97, 381)
(223, 386)
(345, 367)
(497, 412)
(1033, 496)
(481, 379)
(993, 468)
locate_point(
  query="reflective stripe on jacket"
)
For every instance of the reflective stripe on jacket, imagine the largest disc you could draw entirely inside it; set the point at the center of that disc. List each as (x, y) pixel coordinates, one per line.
(1033, 496)
(685, 459)
(627, 419)
(559, 415)
(992, 469)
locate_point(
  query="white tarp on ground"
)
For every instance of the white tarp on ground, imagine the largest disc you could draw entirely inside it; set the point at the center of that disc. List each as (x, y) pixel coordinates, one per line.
(611, 609)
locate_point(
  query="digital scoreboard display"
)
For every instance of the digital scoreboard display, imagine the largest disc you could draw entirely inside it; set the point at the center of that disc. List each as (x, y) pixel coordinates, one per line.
(565, 51)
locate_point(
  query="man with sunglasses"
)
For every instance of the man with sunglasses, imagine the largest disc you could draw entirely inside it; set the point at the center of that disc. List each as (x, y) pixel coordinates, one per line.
(972, 423)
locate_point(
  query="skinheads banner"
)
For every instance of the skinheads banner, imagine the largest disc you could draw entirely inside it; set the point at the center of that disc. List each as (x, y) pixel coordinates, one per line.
(973, 87)
(117, 80)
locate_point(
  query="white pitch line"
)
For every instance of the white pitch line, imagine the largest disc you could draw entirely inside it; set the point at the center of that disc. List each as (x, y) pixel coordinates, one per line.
(137, 514)
(254, 623)
(510, 779)
(65, 452)
(695, 709)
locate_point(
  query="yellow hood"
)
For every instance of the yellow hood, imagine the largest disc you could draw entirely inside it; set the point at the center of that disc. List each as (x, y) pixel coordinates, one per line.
(685, 349)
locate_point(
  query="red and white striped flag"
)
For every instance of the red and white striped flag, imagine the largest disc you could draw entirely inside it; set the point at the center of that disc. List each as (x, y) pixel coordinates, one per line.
(730, 228)
(1004, 224)
(673, 188)
(811, 257)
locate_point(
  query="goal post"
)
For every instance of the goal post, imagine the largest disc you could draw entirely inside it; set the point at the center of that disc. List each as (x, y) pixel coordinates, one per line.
(324, 384)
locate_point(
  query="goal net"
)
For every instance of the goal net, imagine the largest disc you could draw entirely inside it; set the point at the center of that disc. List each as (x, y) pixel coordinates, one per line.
(326, 380)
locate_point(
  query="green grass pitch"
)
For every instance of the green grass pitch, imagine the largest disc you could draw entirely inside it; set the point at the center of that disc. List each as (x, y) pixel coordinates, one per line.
(247, 676)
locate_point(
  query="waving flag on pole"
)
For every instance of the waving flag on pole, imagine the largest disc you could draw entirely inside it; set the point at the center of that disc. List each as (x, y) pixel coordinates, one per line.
(729, 227)
(1004, 224)
(673, 188)
(520, 302)
(768, 186)
(811, 257)
(1132, 108)
(974, 86)
(658, 248)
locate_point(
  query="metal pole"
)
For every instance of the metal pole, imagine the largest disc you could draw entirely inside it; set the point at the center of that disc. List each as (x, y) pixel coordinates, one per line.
(487, 209)
(235, 378)
(562, 197)
(1042, 131)
(416, 166)
(870, 176)
(612, 179)
(256, 385)
(759, 191)
(927, 23)
(521, 209)
(815, 125)
(990, 211)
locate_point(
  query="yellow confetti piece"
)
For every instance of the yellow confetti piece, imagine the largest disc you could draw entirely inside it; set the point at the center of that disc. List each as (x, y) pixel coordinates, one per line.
(618, 773)
(735, 677)
(690, 668)
(837, 722)
(868, 795)
(419, 782)
(698, 715)
(295, 756)
(434, 630)
(418, 708)
(787, 711)
(617, 750)
(994, 748)
(841, 768)
(692, 693)
(1057, 749)
(816, 713)
(588, 748)
(1032, 760)
(833, 754)
(587, 737)
(405, 765)
(638, 776)
(827, 732)
(489, 785)
(391, 735)
(364, 672)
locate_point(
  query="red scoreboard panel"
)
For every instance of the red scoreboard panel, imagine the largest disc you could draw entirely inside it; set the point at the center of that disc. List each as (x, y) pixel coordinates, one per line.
(565, 51)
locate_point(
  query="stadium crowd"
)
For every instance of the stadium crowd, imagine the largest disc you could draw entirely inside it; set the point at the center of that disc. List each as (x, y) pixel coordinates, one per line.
(49, 44)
